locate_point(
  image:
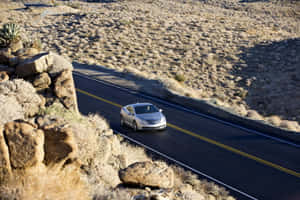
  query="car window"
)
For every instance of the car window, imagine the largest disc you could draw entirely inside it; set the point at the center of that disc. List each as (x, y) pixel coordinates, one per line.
(130, 109)
(145, 109)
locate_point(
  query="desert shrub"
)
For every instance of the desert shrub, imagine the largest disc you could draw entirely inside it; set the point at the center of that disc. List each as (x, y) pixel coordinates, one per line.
(74, 5)
(46, 183)
(9, 33)
(179, 77)
(24, 93)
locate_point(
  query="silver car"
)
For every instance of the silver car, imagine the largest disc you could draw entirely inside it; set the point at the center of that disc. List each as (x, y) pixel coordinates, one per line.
(142, 116)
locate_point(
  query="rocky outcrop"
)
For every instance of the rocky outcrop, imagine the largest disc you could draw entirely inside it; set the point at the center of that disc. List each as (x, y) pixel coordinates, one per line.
(25, 143)
(59, 145)
(148, 174)
(49, 73)
(48, 79)
(37, 64)
(5, 168)
(65, 90)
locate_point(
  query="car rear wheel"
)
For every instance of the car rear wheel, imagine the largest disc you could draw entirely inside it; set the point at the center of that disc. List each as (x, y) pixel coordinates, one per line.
(122, 121)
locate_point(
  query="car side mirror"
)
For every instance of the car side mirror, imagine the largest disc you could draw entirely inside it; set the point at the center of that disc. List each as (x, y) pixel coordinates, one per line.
(160, 110)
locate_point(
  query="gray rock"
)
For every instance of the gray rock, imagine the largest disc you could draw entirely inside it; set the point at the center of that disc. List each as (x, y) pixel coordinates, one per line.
(37, 64)
(148, 174)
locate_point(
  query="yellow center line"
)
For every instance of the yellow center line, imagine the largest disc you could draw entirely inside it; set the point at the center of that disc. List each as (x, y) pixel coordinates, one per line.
(228, 148)
(99, 98)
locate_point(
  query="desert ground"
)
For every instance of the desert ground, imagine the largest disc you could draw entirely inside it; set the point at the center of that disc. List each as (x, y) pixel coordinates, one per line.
(242, 55)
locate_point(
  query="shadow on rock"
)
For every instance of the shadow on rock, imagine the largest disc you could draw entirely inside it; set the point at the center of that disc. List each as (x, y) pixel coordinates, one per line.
(271, 74)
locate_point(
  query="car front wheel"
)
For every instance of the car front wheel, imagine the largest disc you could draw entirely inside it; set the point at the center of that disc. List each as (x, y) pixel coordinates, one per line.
(135, 128)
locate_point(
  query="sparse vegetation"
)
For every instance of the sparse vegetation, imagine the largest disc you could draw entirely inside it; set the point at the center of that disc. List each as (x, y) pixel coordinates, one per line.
(180, 77)
(75, 5)
(46, 183)
(9, 33)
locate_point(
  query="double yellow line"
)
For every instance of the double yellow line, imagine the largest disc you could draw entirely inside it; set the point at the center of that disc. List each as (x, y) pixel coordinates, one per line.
(228, 148)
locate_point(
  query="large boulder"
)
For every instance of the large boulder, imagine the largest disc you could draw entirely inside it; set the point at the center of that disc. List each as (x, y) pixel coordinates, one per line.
(64, 89)
(152, 174)
(25, 143)
(5, 168)
(24, 93)
(59, 145)
(37, 64)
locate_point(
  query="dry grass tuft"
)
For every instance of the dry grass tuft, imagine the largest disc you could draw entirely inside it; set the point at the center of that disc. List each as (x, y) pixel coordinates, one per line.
(46, 183)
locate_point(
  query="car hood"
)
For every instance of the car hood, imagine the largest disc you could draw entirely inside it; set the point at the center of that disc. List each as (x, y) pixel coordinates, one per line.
(150, 116)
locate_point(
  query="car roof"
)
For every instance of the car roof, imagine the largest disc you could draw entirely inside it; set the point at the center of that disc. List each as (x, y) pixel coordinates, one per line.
(139, 104)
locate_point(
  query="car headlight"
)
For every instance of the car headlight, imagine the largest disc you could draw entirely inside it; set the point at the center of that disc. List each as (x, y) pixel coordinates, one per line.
(163, 119)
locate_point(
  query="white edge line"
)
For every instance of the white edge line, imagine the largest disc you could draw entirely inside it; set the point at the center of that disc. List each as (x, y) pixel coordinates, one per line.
(189, 110)
(188, 167)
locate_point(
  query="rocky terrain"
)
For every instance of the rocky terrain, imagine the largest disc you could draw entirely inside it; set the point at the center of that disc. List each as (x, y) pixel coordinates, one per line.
(242, 55)
(48, 150)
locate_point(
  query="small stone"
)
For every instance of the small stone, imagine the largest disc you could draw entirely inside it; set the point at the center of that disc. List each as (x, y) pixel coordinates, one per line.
(3, 76)
(252, 114)
(275, 120)
(290, 125)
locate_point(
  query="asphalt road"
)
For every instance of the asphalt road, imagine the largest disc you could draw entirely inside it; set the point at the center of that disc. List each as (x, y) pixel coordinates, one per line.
(255, 165)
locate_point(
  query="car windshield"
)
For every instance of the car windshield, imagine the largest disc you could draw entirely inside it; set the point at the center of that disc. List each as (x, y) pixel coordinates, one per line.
(145, 109)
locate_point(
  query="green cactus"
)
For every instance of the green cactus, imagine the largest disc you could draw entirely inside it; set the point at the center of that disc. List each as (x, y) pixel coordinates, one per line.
(9, 33)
